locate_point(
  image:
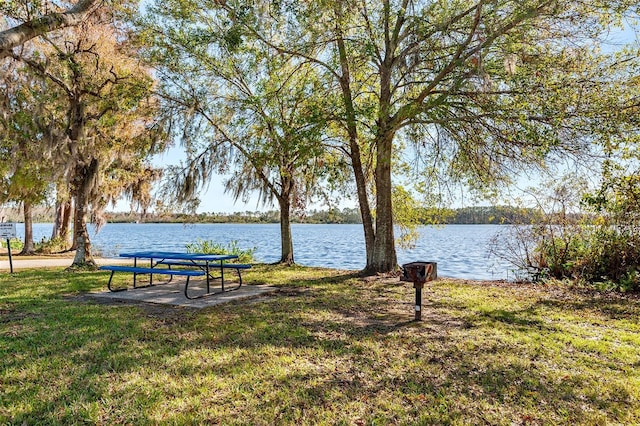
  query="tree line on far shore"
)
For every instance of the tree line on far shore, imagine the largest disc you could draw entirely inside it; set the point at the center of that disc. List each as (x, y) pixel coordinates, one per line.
(495, 215)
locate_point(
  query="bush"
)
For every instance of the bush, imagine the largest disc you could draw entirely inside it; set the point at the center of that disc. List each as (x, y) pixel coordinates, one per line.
(211, 247)
(16, 244)
(595, 254)
(54, 245)
(600, 249)
(602, 256)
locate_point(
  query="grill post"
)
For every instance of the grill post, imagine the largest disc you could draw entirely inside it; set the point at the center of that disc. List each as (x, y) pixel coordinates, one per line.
(418, 303)
(419, 273)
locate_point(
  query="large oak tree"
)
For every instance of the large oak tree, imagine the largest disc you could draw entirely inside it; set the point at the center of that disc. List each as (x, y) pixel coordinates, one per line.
(483, 88)
(26, 173)
(104, 131)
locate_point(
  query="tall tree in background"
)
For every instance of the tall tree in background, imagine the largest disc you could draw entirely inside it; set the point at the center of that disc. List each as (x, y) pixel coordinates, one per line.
(62, 215)
(248, 112)
(483, 88)
(27, 173)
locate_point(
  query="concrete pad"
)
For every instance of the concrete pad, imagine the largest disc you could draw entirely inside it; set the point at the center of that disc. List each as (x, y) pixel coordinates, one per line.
(173, 294)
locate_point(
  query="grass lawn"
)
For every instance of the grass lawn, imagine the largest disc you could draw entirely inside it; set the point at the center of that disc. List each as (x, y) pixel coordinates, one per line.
(329, 348)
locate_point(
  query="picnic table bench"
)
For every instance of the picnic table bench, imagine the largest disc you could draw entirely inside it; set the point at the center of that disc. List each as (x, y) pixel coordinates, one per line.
(150, 271)
(200, 264)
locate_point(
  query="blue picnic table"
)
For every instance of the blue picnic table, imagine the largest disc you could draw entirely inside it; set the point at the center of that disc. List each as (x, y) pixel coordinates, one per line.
(192, 264)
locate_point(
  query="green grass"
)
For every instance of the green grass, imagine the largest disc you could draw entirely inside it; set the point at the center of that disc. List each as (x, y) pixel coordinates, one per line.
(329, 348)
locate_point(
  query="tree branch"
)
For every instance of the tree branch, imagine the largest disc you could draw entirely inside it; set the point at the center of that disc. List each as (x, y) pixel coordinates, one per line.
(26, 31)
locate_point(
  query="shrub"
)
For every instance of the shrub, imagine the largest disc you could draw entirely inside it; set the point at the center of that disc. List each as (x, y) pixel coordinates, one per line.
(211, 247)
(600, 249)
(595, 254)
(54, 245)
(16, 244)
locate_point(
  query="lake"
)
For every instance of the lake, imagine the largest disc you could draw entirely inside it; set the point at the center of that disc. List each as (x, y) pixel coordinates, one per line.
(461, 251)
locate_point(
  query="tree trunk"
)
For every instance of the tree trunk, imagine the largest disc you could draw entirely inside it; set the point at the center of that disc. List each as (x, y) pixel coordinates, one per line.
(83, 182)
(384, 250)
(57, 220)
(354, 148)
(384, 257)
(363, 202)
(80, 184)
(29, 247)
(66, 221)
(83, 257)
(286, 238)
(61, 222)
(74, 231)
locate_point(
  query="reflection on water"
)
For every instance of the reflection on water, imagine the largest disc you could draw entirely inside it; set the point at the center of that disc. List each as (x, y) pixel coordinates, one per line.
(460, 250)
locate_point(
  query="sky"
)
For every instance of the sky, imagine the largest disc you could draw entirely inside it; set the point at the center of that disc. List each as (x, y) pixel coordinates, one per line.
(214, 199)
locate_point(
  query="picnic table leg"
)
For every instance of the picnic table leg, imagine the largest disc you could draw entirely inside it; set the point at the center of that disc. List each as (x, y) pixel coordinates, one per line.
(222, 274)
(186, 287)
(109, 284)
(110, 278)
(206, 267)
(135, 274)
(135, 265)
(169, 266)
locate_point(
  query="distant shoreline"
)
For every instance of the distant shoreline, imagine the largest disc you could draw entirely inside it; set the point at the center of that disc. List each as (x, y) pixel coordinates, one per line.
(258, 223)
(490, 215)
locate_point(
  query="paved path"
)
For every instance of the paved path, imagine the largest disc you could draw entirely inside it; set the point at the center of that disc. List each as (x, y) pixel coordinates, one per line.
(26, 262)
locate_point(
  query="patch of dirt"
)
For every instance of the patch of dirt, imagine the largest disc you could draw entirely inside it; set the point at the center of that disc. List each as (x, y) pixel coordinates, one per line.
(11, 315)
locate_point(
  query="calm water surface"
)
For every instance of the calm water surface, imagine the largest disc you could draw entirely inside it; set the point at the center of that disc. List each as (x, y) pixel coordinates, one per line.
(460, 250)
